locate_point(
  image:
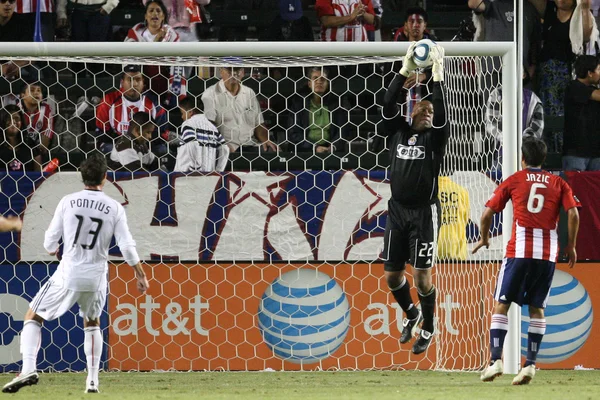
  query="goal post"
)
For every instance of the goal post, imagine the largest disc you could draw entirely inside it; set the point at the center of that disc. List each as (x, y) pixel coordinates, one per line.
(230, 252)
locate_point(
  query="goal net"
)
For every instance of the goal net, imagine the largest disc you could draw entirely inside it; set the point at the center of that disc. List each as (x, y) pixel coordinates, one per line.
(274, 263)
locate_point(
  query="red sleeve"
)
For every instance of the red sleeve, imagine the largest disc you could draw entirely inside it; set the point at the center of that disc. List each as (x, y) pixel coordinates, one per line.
(324, 7)
(102, 122)
(568, 200)
(501, 196)
(369, 5)
(131, 35)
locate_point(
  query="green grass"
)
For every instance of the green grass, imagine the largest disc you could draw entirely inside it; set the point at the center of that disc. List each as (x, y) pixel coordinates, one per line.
(547, 385)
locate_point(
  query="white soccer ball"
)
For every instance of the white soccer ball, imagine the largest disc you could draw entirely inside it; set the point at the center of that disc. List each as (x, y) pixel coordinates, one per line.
(422, 53)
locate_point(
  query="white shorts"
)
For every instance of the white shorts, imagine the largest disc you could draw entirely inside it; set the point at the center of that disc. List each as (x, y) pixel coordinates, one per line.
(53, 300)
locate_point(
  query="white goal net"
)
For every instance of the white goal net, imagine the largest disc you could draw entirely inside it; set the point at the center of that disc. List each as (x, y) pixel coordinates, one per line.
(274, 262)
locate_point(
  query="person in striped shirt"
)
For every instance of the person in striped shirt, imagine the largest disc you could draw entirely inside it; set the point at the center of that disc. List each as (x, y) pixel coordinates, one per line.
(118, 107)
(39, 117)
(526, 273)
(344, 20)
(203, 148)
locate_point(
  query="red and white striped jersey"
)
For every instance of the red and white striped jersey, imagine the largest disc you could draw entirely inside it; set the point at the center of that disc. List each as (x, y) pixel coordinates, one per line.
(39, 123)
(30, 6)
(354, 31)
(115, 112)
(536, 197)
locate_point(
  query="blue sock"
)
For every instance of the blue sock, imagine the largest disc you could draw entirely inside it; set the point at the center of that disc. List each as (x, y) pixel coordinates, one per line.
(536, 331)
(498, 331)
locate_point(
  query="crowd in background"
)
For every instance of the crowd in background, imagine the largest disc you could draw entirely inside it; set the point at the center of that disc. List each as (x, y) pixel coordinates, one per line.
(315, 120)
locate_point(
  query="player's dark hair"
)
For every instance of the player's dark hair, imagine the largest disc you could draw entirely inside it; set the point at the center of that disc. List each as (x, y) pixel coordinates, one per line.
(139, 121)
(93, 169)
(534, 151)
(585, 64)
(191, 103)
(416, 10)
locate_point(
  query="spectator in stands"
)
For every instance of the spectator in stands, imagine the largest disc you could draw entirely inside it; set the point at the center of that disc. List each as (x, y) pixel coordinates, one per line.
(155, 28)
(375, 26)
(90, 19)
(494, 21)
(184, 16)
(11, 24)
(132, 150)
(533, 115)
(557, 55)
(47, 18)
(235, 111)
(203, 148)
(415, 26)
(289, 25)
(344, 20)
(236, 33)
(17, 153)
(117, 108)
(39, 118)
(318, 122)
(581, 151)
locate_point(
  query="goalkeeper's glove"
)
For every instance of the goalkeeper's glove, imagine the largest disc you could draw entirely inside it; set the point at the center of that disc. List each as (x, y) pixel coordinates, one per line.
(437, 69)
(408, 65)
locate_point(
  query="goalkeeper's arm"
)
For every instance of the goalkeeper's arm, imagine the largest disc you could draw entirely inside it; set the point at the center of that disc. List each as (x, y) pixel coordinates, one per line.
(438, 99)
(390, 100)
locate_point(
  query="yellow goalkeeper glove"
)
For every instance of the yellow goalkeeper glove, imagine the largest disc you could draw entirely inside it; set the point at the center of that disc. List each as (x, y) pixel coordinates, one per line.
(408, 65)
(437, 69)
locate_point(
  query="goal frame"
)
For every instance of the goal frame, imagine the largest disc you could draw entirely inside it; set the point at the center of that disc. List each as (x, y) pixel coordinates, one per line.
(511, 85)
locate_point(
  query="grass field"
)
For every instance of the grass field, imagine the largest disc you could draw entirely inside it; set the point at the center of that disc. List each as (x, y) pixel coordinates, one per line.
(547, 385)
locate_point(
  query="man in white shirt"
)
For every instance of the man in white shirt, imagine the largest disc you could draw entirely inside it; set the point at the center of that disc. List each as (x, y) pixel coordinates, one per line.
(86, 221)
(203, 148)
(235, 111)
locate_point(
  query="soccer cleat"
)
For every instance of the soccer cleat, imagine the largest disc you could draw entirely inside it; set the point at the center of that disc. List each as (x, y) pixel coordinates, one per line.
(91, 387)
(492, 371)
(409, 326)
(525, 375)
(423, 342)
(20, 381)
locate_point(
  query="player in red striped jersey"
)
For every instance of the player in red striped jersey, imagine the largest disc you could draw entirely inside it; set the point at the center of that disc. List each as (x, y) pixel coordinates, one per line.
(526, 273)
(344, 20)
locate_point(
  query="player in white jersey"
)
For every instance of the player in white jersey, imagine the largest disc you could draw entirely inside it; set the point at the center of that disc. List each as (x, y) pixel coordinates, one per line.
(203, 148)
(86, 221)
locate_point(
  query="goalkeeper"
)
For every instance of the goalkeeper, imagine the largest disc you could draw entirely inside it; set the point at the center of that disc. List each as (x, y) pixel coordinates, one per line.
(416, 152)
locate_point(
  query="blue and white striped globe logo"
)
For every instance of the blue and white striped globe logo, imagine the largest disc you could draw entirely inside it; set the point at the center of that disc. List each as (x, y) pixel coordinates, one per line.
(304, 316)
(569, 318)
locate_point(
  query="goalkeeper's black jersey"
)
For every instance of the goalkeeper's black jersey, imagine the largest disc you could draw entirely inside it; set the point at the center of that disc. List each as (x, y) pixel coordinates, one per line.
(416, 157)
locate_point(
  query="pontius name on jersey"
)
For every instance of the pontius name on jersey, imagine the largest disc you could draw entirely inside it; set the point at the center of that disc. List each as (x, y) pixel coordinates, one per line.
(86, 221)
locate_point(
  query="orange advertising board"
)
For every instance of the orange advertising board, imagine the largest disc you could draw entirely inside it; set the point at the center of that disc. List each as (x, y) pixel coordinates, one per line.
(307, 317)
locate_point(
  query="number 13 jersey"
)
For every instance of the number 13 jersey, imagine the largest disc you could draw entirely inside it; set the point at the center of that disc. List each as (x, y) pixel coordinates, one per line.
(87, 221)
(536, 197)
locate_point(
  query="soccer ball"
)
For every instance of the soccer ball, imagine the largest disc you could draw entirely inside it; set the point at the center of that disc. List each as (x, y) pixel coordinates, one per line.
(422, 53)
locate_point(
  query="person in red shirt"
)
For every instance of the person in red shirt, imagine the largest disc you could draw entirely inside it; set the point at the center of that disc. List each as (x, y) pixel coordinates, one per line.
(344, 20)
(526, 273)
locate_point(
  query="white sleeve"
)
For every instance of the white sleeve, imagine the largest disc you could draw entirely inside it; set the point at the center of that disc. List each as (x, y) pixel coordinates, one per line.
(259, 117)
(55, 230)
(186, 157)
(127, 156)
(124, 239)
(210, 108)
(223, 158)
